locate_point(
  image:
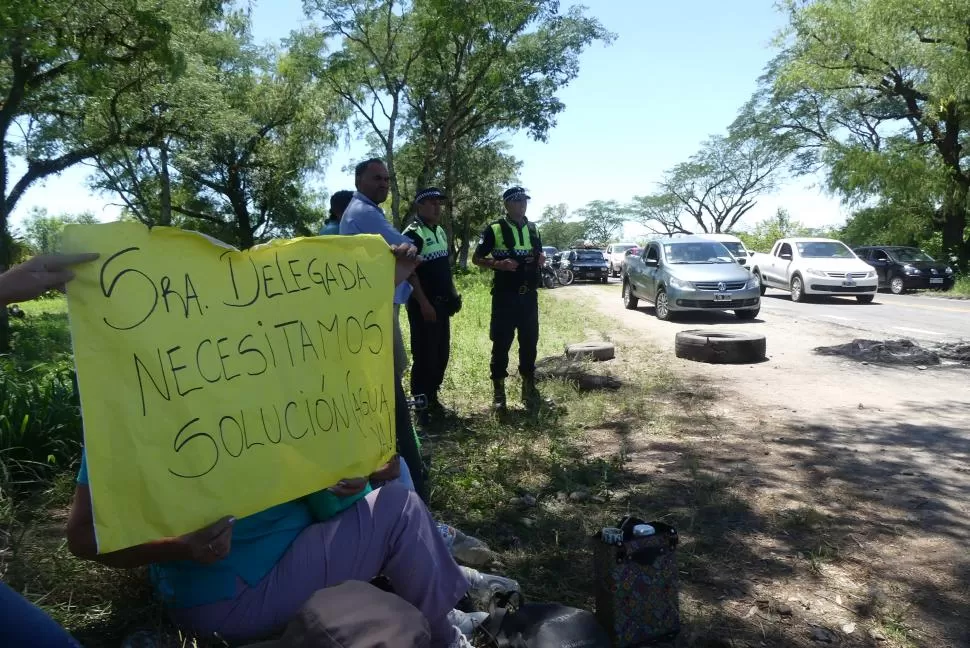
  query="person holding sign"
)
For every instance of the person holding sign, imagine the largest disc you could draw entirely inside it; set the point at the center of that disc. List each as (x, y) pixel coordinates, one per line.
(245, 578)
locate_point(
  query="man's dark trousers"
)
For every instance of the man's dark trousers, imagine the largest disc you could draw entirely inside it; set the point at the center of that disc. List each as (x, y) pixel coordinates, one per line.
(514, 312)
(430, 350)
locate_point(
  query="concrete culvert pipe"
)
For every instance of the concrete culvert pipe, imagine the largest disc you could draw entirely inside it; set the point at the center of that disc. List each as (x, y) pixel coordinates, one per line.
(720, 347)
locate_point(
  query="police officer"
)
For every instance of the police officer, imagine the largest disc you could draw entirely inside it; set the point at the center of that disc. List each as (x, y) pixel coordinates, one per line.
(512, 248)
(433, 302)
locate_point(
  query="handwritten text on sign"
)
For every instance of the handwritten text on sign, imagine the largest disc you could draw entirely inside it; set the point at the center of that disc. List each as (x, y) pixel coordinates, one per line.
(216, 382)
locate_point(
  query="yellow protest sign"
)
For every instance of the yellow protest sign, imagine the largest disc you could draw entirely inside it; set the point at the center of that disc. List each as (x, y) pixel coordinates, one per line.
(216, 382)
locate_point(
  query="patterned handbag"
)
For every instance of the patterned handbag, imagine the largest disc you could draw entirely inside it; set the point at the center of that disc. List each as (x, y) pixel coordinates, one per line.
(636, 583)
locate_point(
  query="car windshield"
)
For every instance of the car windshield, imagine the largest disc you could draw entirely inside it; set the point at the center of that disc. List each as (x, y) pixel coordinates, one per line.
(735, 248)
(589, 255)
(697, 252)
(908, 255)
(824, 250)
(620, 249)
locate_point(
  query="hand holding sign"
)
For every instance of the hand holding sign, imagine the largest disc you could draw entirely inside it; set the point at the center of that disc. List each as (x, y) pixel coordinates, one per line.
(213, 379)
(212, 543)
(407, 260)
(39, 274)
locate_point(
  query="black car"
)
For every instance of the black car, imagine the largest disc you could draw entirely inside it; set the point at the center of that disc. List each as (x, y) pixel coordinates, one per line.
(588, 264)
(905, 268)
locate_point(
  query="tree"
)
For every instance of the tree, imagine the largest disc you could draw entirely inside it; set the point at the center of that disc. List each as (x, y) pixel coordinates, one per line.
(445, 73)
(717, 186)
(67, 69)
(557, 230)
(482, 170)
(381, 40)
(601, 220)
(491, 68)
(42, 232)
(241, 171)
(659, 213)
(764, 233)
(878, 92)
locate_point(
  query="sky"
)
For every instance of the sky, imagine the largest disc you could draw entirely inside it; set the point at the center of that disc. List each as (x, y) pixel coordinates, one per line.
(677, 73)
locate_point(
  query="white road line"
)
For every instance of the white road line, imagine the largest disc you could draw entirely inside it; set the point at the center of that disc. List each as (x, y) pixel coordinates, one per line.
(844, 319)
(916, 330)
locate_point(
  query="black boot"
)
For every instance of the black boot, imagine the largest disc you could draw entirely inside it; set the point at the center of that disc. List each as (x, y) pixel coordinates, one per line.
(499, 402)
(530, 394)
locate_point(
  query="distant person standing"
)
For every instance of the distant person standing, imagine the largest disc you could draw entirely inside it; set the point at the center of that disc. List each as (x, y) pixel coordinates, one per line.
(434, 300)
(338, 204)
(364, 216)
(511, 247)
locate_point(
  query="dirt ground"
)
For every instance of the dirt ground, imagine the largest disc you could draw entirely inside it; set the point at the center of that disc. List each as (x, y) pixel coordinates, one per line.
(849, 484)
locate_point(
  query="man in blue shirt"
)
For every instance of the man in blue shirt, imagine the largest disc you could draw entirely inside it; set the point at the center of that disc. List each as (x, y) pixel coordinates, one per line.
(364, 216)
(338, 204)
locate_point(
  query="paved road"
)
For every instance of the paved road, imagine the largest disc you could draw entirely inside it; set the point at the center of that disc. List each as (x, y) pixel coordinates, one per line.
(921, 317)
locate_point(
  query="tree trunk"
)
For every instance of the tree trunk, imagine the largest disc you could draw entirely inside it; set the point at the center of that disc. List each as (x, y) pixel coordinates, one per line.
(6, 248)
(463, 250)
(450, 189)
(389, 163)
(165, 217)
(240, 209)
(954, 226)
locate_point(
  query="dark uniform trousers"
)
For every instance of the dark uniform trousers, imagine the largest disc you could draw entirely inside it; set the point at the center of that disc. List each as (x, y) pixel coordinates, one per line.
(430, 351)
(514, 312)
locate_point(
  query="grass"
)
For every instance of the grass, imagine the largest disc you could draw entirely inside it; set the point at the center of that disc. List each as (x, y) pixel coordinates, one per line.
(962, 287)
(575, 459)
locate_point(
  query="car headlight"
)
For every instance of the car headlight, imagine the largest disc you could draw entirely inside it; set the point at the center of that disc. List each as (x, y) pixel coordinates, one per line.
(911, 270)
(680, 283)
(871, 274)
(753, 282)
(948, 270)
(815, 273)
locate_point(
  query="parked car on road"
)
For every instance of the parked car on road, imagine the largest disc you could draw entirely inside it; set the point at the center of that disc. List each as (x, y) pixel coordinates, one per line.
(734, 245)
(814, 266)
(616, 256)
(690, 273)
(549, 251)
(906, 268)
(586, 263)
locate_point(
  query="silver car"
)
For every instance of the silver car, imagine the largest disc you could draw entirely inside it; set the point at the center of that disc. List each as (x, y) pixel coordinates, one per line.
(690, 273)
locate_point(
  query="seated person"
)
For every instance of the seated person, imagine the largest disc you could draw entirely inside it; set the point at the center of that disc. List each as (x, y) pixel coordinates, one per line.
(245, 579)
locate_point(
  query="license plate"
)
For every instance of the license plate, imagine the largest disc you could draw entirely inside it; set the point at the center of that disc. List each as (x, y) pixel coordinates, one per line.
(848, 283)
(722, 296)
(937, 280)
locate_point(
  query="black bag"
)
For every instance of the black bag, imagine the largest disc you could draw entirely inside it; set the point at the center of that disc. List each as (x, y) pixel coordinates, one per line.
(636, 584)
(539, 625)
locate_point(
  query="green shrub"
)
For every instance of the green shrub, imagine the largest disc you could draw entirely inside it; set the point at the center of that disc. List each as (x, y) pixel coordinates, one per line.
(40, 422)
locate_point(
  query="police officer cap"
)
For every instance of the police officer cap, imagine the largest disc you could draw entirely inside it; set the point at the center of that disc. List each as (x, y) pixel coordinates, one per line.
(515, 193)
(430, 192)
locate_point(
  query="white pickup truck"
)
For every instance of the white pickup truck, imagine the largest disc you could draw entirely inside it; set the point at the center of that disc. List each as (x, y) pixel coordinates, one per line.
(814, 266)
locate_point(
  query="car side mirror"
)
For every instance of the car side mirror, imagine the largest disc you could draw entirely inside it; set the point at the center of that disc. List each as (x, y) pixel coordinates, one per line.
(652, 263)
(786, 257)
(742, 261)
